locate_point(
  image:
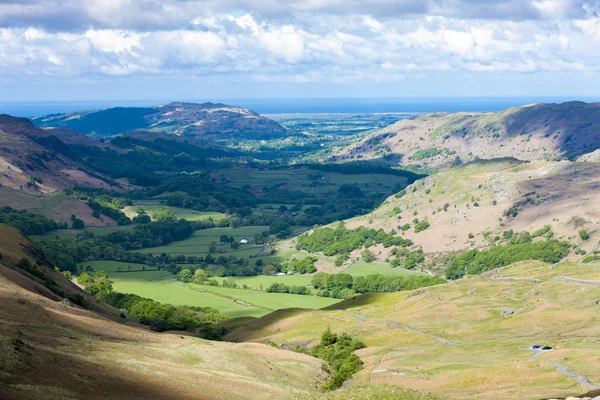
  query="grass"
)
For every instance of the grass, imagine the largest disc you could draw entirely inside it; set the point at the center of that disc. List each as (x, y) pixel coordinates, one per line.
(200, 241)
(113, 266)
(264, 280)
(98, 231)
(191, 215)
(271, 301)
(487, 358)
(297, 179)
(169, 292)
(370, 269)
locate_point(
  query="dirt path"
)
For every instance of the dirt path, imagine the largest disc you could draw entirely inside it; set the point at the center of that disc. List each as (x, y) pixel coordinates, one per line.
(561, 369)
(408, 328)
(361, 317)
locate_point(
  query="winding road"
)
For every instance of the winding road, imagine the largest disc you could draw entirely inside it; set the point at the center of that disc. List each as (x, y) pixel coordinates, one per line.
(561, 369)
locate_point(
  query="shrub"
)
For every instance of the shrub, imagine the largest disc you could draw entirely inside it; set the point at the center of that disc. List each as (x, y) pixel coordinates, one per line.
(421, 226)
(477, 262)
(338, 352)
(584, 235)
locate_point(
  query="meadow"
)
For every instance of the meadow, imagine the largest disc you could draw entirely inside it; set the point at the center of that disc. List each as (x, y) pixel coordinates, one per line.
(98, 231)
(465, 339)
(270, 301)
(298, 179)
(152, 205)
(170, 292)
(199, 242)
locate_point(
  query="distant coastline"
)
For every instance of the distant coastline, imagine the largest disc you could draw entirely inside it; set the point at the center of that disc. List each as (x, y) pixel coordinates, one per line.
(304, 106)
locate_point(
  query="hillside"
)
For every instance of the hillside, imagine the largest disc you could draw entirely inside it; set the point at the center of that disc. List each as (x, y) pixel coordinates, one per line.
(54, 349)
(35, 161)
(534, 132)
(488, 198)
(466, 339)
(183, 119)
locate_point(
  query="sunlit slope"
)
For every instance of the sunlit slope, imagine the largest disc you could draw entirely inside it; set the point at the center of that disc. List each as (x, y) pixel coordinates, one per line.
(534, 132)
(467, 338)
(488, 198)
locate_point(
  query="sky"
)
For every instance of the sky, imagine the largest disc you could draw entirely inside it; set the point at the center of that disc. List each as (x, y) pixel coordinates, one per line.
(203, 49)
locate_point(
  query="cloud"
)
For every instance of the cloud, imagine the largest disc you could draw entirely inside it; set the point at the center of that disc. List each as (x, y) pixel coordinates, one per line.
(303, 41)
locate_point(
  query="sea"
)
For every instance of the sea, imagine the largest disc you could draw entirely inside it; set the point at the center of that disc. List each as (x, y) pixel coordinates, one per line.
(303, 106)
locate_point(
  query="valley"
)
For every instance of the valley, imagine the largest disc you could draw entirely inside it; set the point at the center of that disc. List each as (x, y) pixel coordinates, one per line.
(206, 249)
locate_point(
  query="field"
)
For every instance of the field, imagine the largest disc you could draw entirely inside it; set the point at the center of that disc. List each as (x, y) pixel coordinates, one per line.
(98, 231)
(167, 291)
(152, 205)
(200, 241)
(383, 269)
(468, 338)
(298, 179)
(271, 301)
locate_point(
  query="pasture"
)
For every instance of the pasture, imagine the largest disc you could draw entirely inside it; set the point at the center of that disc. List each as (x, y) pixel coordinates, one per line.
(152, 205)
(98, 231)
(271, 301)
(199, 242)
(308, 180)
(170, 292)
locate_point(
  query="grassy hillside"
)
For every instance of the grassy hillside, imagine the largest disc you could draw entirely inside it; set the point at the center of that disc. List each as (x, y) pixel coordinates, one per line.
(472, 206)
(535, 132)
(465, 339)
(54, 349)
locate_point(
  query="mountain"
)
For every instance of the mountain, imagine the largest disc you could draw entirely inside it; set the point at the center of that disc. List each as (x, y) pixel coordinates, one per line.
(534, 132)
(36, 161)
(473, 205)
(183, 119)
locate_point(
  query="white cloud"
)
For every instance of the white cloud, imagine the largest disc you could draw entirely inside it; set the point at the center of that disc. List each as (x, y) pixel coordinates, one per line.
(310, 41)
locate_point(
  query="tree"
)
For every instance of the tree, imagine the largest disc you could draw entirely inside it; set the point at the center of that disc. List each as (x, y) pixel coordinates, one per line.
(200, 275)
(185, 275)
(96, 214)
(212, 248)
(164, 215)
(78, 224)
(225, 239)
(584, 235)
(368, 256)
(259, 238)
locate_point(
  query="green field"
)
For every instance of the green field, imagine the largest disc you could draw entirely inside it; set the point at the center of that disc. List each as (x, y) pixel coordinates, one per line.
(191, 215)
(199, 242)
(383, 269)
(98, 231)
(271, 301)
(113, 266)
(169, 292)
(297, 179)
(264, 280)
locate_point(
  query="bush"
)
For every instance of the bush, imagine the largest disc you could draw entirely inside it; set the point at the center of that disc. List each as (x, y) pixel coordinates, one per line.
(162, 317)
(584, 235)
(421, 226)
(338, 352)
(368, 256)
(340, 240)
(477, 262)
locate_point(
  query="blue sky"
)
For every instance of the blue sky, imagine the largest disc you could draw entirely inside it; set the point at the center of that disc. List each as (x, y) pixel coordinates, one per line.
(190, 49)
